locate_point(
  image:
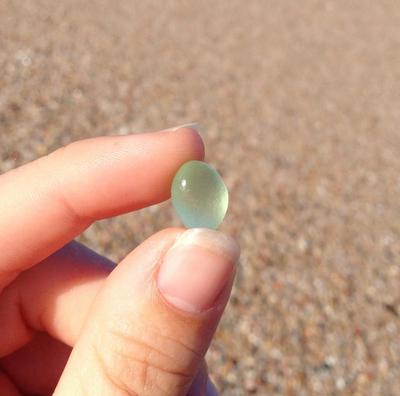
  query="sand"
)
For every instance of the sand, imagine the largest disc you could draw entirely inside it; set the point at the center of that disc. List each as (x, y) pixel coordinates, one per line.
(299, 108)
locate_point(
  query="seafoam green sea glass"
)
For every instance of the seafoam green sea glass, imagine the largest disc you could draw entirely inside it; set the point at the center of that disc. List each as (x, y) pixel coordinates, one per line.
(199, 195)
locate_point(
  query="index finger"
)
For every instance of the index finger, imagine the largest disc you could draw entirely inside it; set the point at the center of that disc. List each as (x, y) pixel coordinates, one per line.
(46, 203)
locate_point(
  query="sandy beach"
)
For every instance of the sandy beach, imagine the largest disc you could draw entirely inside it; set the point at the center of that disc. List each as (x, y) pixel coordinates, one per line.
(299, 109)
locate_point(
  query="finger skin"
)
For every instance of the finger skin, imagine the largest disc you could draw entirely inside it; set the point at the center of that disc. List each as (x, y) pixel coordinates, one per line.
(48, 202)
(36, 368)
(53, 296)
(80, 271)
(134, 341)
(7, 387)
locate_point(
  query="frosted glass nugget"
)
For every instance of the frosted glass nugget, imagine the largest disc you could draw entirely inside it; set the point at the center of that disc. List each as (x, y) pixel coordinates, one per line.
(199, 195)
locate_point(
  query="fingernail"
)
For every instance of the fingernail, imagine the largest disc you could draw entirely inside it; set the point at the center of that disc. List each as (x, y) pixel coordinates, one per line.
(196, 269)
(193, 125)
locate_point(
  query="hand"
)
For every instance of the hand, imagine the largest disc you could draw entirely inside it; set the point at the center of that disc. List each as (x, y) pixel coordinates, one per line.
(70, 320)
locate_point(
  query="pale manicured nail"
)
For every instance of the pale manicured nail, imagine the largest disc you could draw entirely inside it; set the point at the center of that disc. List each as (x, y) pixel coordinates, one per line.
(196, 269)
(193, 125)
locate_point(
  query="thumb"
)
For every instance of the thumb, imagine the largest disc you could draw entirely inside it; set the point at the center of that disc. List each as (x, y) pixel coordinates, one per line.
(153, 320)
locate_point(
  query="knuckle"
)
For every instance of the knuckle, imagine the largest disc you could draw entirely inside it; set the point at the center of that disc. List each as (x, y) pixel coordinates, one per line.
(59, 189)
(146, 362)
(60, 152)
(113, 374)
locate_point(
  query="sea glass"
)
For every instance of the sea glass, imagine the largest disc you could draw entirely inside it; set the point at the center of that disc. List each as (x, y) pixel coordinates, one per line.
(199, 195)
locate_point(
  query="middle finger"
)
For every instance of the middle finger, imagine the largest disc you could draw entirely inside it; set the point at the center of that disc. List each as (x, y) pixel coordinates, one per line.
(54, 296)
